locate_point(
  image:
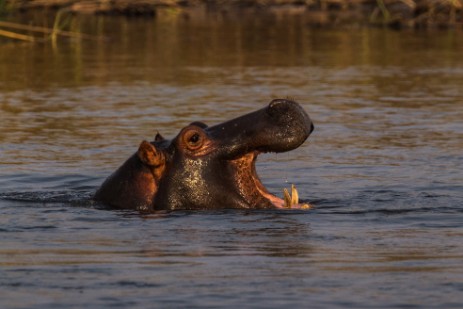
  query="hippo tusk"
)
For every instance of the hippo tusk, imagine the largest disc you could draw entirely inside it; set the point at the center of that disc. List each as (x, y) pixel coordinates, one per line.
(294, 195)
(286, 198)
(293, 200)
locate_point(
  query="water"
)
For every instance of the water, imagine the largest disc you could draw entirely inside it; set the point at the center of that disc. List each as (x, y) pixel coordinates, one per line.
(384, 167)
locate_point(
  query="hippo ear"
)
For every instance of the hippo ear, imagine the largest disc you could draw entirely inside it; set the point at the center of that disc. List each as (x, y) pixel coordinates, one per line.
(158, 137)
(149, 155)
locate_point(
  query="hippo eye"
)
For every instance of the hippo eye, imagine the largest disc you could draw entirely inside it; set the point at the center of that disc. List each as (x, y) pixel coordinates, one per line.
(193, 139)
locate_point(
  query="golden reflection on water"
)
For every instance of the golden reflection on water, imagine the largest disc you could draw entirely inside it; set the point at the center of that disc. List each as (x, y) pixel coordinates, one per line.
(158, 50)
(383, 165)
(377, 97)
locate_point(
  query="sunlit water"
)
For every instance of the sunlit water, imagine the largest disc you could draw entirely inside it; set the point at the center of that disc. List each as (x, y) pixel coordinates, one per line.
(384, 168)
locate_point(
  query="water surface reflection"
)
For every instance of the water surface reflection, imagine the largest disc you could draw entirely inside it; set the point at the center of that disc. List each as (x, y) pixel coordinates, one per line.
(383, 167)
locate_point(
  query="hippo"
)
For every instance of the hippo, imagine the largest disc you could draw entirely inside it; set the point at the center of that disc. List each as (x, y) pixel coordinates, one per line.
(210, 167)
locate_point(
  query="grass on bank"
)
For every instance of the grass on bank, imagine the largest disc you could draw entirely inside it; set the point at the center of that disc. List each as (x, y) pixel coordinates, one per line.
(15, 30)
(407, 13)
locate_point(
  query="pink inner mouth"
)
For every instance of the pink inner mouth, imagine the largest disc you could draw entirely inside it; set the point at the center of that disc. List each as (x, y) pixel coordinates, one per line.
(251, 187)
(275, 200)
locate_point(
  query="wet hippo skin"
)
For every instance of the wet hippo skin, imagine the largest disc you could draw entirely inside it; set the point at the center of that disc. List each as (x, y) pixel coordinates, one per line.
(208, 167)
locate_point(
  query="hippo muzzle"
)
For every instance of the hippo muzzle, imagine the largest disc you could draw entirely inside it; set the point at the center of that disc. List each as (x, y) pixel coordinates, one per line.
(281, 126)
(208, 167)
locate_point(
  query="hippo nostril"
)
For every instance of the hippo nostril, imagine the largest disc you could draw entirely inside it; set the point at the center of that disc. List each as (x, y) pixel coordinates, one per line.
(279, 104)
(311, 128)
(279, 107)
(275, 102)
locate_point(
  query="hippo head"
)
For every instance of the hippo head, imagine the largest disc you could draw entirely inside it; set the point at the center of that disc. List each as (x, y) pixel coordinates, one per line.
(208, 167)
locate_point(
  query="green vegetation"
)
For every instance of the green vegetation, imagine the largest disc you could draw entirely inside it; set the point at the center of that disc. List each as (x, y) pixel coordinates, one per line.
(3, 7)
(320, 13)
(29, 33)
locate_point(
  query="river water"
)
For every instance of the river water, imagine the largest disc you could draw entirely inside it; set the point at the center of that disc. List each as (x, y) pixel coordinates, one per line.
(383, 168)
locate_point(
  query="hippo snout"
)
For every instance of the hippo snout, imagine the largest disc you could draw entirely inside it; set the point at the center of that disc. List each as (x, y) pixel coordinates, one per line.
(290, 113)
(289, 123)
(209, 167)
(282, 125)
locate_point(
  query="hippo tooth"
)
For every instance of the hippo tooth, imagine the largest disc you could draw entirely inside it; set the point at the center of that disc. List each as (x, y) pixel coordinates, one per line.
(293, 199)
(294, 195)
(286, 198)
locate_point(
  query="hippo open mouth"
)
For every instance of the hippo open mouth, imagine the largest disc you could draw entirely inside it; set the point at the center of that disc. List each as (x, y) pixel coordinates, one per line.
(210, 167)
(256, 193)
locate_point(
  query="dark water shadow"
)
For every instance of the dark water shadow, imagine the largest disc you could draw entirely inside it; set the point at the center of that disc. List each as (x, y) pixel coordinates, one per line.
(77, 190)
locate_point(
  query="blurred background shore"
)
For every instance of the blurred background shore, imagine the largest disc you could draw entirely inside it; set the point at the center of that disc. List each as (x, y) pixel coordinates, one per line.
(416, 14)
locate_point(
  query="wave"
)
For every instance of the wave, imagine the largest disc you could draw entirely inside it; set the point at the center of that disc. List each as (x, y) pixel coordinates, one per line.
(77, 190)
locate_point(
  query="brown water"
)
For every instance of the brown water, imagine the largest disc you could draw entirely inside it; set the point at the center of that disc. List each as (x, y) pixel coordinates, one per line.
(384, 167)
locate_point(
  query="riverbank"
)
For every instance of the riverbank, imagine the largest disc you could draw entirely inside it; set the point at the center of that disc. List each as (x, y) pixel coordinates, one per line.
(322, 13)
